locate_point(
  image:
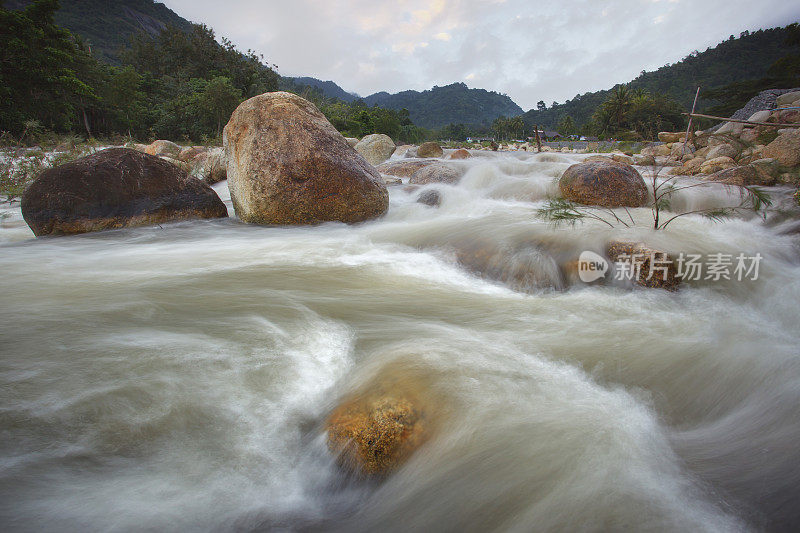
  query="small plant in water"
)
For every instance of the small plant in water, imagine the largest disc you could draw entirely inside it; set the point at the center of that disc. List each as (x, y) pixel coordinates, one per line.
(752, 198)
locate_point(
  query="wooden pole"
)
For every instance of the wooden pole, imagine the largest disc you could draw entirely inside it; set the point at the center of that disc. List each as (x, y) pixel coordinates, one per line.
(689, 127)
(538, 140)
(743, 121)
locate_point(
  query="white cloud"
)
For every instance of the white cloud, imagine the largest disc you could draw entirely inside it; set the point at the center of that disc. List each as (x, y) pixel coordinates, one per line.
(531, 51)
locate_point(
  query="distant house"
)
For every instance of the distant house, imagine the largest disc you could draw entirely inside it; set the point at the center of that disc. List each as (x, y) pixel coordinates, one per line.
(479, 139)
(550, 134)
(589, 138)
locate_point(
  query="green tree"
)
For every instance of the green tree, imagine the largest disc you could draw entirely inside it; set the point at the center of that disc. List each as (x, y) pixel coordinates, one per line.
(220, 98)
(40, 66)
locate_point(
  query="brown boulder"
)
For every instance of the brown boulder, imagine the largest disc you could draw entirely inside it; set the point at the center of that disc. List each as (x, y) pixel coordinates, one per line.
(604, 183)
(460, 154)
(436, 173)
(643, 261)
(115, 188)
(376, 148)
(741, 176)
(287, 164)
(189, 153)
(403, 169)
(167, 148)
(209, 166)
(375, 432)
(430, 149)
(785, 149)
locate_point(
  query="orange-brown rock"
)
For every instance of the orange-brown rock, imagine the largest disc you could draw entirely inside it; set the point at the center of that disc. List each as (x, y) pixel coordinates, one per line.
(188, 153)
(115, 188)
(162, 147)
(286, 164)
(785, 149)
(651, 268)
(403, 169)
(375, 432)
(460, 154)
(436, 173)
(604, 183)
(430, 149)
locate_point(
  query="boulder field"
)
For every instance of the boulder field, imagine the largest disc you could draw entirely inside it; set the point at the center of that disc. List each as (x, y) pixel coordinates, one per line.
(115, 188)
(286, 164)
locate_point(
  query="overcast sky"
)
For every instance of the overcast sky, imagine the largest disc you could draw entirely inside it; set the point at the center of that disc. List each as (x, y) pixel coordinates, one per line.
(529, 49)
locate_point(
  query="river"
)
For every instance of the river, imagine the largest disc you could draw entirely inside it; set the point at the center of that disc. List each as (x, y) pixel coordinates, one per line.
(178, 377)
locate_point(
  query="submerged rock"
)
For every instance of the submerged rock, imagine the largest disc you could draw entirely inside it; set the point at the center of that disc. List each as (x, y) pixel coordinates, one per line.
(403, 169)
(651, 268)
(430, 149)
(461, 153)
(376, 148)
(374, 433)
(524, 268)
(430, 198)
(115, 188)
(604, 183)
(436, 173)
(288, 165)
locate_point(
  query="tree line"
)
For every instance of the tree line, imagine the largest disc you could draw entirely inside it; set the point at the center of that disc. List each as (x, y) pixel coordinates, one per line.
(181, 85)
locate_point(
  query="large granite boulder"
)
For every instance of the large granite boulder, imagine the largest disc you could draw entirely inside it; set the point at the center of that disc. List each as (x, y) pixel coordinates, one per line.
(286, 164)
(430, 149)
(115, 188)
(376, 148)
(604, 183)
(785, 149)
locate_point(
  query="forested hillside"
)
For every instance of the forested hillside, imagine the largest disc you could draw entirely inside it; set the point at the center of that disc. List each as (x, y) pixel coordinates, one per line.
(451, 104)
(107, 25)
(746, 57)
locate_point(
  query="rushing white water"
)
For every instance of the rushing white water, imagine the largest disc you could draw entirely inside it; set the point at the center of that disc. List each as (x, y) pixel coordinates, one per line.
(178, 377)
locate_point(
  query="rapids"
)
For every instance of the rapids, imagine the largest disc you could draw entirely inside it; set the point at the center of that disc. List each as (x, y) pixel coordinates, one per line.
(178, 378)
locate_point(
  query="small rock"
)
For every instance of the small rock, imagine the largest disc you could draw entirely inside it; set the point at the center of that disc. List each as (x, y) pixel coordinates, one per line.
(658, 266)
(723, 150)
(436, 173)
(375, 432)
(376, 148)
(403, 169)
(460, 154)
(188, 153)
(431, 198)
(788, 99)
(715, 165)
(352, 141)
(430, 149)
(167, 148)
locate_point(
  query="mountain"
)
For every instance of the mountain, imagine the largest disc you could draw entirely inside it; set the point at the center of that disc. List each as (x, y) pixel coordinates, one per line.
(737, 59)
(328, 88)
(451, 104)
(108, 25)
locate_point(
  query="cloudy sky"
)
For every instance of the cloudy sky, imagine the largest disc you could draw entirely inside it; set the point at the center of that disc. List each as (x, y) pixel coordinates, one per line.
(529, 49)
